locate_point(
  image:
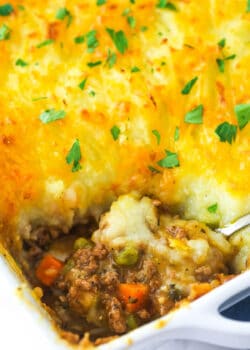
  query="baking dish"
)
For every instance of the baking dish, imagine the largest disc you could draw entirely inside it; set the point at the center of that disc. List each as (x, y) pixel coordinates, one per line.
(25, 323)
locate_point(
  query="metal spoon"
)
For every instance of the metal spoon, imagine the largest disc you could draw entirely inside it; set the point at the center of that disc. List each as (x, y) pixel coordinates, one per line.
(229, 229)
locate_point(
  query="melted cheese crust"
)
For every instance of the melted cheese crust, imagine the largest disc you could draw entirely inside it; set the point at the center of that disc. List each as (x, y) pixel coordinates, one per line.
(37, 184)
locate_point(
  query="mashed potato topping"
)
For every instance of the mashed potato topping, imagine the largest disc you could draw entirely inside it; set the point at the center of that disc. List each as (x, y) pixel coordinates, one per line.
(180, 247)
(140, 95)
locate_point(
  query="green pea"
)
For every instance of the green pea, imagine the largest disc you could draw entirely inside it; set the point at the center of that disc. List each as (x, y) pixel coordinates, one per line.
(131, 322)
(68, 266)
(82, 243)
(127, 256)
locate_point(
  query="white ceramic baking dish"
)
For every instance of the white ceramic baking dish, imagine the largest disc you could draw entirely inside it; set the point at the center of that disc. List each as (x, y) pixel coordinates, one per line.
(25, 325)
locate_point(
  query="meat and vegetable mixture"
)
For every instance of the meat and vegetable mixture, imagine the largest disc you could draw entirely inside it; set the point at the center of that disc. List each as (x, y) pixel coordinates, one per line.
(108, 287)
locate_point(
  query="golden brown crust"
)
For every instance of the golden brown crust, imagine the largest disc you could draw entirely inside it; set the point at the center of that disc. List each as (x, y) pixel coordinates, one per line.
(175, 47)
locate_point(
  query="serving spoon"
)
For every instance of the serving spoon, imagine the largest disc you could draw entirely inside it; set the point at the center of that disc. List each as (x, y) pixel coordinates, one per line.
(229, 229)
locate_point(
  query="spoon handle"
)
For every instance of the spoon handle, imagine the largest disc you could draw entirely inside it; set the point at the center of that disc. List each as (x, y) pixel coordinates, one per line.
(236, 226)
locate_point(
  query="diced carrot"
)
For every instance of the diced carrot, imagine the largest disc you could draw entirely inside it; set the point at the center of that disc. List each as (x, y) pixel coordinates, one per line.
(48, 270)
(133, 295)
(199, 289)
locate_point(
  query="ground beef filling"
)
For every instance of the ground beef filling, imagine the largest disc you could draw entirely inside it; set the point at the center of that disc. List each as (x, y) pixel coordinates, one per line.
(95, 290)
(108, 292)
(91, 281)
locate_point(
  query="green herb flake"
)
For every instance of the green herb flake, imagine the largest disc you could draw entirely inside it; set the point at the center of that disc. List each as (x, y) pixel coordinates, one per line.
(165, 4)
(195, 116)
(119, 39)
(226, 132)
(213, 208)
(177, 133)
(6, 9)
(21, 63)
(221, 62)
(242, 112)
(39, 98)
(74, 156)
(111, 59)
(131, 21)
(51, 115)
(144, 28)
(92, 41)
(92, 93)
(248, 6)
(153, 170)
(94, 64)
(222, 43)
(115, 132)
(126, 12)
(45, 43)
(101, 2)
(170, 161)
(135, 69)
(21, 7)
(5, 32)
(63, 13)
(231, 57)
(157, 135)
(188, 87)
(132, 1)
(79, 39)
(82, 84)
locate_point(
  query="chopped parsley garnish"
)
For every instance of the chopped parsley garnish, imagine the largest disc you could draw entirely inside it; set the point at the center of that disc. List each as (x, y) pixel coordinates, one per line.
(222, 43)
(115, 132)
(21, 7)
(144, 28)
(6, 9)
(153, 169)
(92, 93)
(157, 135)
(45, 43)
(135, 69)
(126, 12)
(170, 161)
(4, 32)
(248, 6)
(119, 39)
(79, 39)
(221, 62)
(21, 63)
(195, 116)
(82, 84)
(39, 99)
(132, 1)
(51, 115)
(242, 112)
(111, 59)
(165, 4)
(94, 64)
(226, 132)
(188, 87)
(177, 133)
(92, 41)
(100, 2)
(131, 21)
(74, 156)
(213, 208)
(63, 13)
